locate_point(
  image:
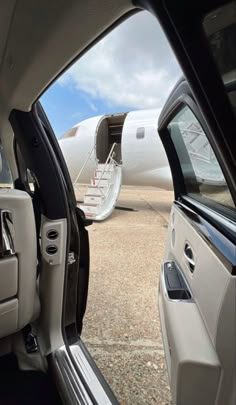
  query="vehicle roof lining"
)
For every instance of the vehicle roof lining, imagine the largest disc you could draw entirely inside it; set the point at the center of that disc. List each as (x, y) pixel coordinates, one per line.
(42, 38)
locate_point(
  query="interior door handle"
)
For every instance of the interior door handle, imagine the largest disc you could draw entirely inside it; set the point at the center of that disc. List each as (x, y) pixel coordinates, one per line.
(6, 233)
(188, 254)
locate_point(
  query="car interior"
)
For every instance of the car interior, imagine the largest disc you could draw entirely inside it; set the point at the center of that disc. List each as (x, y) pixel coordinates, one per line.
(44, 248)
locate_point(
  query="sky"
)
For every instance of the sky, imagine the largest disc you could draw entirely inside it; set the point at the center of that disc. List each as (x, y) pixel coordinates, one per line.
(132, 68)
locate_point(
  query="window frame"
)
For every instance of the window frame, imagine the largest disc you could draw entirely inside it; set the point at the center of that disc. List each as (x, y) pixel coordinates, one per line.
(171, 109)
(197, 194)
(191, 48)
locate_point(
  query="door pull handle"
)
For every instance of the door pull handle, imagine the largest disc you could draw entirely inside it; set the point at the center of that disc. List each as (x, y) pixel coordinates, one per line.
(6, 233)
(188, 254)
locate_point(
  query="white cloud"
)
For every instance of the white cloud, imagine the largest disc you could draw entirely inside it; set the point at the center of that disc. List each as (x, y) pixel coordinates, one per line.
(133, 66)
(92, 106)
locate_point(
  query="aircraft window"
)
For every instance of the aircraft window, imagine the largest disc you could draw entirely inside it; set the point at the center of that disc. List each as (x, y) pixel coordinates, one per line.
(202, 173)
(5, 173)
(220, 27)
(140, 133)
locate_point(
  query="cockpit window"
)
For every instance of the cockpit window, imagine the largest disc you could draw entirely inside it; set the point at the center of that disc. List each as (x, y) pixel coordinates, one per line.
(220, 28)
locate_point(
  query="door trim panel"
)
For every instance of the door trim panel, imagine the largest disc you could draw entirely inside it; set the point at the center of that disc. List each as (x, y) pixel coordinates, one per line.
(191, 357)
(222, 247)
(213, 288)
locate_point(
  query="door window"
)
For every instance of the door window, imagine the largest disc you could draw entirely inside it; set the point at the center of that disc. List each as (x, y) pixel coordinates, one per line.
(202, 173)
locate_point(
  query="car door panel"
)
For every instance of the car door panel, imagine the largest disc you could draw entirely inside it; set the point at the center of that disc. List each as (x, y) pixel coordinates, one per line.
(199, 325)
(208, 268)
(189, 368)
(197, 330)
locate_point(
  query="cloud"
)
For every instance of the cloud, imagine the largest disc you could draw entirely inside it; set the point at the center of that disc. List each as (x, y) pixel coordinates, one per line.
(92, 106)
(133, 66)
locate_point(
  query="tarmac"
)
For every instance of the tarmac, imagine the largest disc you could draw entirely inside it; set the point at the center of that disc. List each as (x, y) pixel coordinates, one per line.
(122, 326)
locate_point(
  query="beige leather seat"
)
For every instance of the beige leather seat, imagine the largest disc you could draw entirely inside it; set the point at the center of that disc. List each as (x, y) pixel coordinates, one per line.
(18, 261)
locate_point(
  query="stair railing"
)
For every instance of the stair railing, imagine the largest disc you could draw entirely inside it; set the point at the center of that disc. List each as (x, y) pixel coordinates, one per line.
(108, 161)
(85, 163)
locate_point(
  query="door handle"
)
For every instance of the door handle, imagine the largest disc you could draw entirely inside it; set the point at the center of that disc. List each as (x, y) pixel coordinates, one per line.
(6, 233)
(188, 254)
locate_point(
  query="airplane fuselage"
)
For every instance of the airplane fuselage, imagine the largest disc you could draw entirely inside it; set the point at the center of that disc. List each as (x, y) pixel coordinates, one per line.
(138, 148)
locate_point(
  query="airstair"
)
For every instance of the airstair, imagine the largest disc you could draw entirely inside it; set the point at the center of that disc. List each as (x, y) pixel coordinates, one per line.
(103, 191)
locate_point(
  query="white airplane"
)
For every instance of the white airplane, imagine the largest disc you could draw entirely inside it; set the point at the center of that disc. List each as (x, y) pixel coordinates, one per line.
(110, 150)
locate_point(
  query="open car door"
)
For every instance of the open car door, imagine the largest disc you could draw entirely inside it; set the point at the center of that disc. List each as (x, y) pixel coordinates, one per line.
(63, 259)
(197, 127)
(79, 378)
(197, 285)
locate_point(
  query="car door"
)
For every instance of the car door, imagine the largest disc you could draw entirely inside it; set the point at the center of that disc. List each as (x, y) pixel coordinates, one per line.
(78, 376)
(197, 284)
(63, 259)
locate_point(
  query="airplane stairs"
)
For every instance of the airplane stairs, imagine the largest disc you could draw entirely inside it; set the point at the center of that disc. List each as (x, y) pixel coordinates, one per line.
(103, 191)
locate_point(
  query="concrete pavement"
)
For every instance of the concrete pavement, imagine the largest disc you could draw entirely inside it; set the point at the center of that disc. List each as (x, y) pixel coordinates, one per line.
(121, 326)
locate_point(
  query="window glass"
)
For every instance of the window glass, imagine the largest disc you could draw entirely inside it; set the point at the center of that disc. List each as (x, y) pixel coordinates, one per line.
(220, 27)
(201, 170)
(5, 173)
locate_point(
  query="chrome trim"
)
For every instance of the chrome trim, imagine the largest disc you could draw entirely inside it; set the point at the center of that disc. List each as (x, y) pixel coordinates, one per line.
(190, 260)
(227, 222)
(71, 387)
(89, 375)
(7, 234)
(79, 380)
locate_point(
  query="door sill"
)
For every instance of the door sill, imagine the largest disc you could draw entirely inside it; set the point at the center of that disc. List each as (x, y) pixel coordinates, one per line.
(78, 378)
